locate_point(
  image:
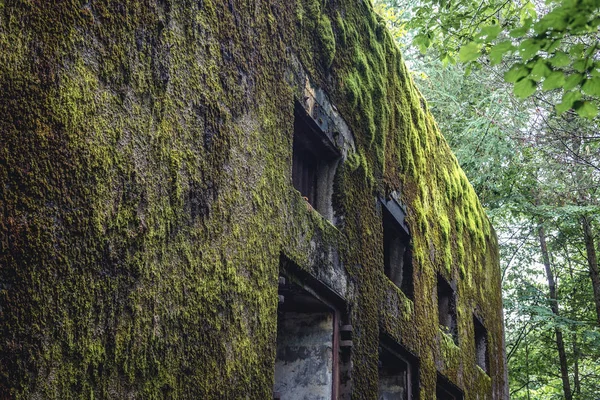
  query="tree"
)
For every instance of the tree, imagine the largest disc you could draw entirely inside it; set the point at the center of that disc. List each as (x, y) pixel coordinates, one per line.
(545, 46)
(560, 345)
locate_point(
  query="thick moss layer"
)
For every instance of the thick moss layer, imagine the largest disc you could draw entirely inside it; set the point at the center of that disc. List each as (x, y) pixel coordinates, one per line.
(147, 197)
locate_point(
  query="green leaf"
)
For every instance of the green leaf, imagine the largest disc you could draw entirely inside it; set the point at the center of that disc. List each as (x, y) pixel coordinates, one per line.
(489, 33)
(524, 88)
(579, 65)
(528, 12)
(540, 70)
(447, 59)
(499, 50)
(561, 108)
(422, 42)
(555, 80)
(553, 46)
(568, 99)
(577, 50)
(519, 32)
(529, 48)
(592, 86)
(578, 23)
(522, 31)
(586, 109)
(556, 20)
(560, 59)
(517, 72)
(445, 62)
(469, 52)
(594, 23)
(572, 81)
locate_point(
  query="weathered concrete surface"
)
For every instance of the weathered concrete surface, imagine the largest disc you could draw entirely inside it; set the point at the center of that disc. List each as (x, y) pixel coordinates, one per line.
(392, 384)
(303, 368)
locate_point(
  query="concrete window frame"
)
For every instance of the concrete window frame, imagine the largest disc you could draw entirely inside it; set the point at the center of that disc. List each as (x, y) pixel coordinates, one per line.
(314, 161)
(393, 355)
(397, 248)
(481, 344)
(447, 315)
(446, 390)
(298, 290)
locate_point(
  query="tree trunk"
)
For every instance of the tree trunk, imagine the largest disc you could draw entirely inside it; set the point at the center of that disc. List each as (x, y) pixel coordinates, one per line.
(592, 262)
(562, 356)
(527, 367)
(574, 340)
(576, 381)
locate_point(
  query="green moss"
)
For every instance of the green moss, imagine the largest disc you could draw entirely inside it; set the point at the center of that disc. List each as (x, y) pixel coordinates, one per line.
(408, 309)
(314, 9)
(462, 270)
(449, 348)
(361, 63)
(299, 12)
(444, 224)
(352, 85)
(341, 29)
(327, 39)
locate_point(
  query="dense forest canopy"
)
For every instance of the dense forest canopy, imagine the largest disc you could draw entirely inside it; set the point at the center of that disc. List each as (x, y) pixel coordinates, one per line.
(514, 87)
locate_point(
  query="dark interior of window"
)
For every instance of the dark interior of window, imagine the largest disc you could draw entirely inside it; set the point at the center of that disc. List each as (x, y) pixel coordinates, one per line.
(481, 346)
(447, 308)
(398, 377)
(304, 171)
(445, 390)
(314, 157)
(397, 254)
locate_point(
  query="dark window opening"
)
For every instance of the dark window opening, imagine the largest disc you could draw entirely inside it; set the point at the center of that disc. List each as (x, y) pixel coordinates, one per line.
(445, 390)
(398, 376)
(397, 253)
(481, 346)
(345, 388)
(304, 172)
(313, 162)
(447, 308)
(310, 349)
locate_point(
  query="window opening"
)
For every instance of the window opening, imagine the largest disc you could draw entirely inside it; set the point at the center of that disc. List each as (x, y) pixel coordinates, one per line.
(314, 161)
(481, 346)
(345, 388)
(310, 355)
(397, 253)
(398, 377)
(447, 308)
(446, 390)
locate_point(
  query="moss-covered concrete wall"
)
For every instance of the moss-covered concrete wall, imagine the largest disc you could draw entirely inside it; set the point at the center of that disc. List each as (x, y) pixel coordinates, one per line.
(146, 199)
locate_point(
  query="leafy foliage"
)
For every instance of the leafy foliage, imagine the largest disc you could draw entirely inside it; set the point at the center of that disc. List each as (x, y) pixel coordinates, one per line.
(552, 45)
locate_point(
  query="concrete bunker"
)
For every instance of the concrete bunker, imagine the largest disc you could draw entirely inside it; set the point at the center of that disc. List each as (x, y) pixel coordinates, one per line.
(310, 353)
(447, 308)
(398, 372)
(446, 390)
(314, 161)
(163, 206)
(481, 346)
(397, 253)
